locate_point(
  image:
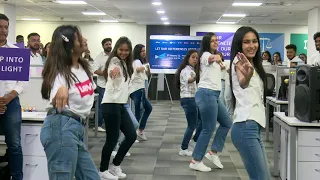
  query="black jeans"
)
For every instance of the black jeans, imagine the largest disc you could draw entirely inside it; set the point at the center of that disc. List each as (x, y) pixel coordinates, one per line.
(116, 118)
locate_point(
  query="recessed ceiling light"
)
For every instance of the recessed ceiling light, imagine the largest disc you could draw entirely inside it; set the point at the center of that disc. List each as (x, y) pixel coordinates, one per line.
(108, 21)
(234, 15)
(160, 12)
(156, 3)
(164, 18)
(71, 2)
(246, 4)
(166, 23)
(31, 19)
(221, 22)
(94, 13)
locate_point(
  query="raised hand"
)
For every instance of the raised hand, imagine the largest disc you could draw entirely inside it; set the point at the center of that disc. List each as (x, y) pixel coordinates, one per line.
(115, 72)
(244, 67)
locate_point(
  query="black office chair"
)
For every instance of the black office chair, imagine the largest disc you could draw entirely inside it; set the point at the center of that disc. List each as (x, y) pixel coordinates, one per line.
(271, 83)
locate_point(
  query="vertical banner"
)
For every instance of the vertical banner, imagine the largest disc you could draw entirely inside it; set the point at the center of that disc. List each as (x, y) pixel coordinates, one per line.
(272, 42)
(225, 41)
(301, 41)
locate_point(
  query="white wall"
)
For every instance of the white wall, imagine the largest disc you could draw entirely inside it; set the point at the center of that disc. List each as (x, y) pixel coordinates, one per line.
(286, 29)
(94, 32)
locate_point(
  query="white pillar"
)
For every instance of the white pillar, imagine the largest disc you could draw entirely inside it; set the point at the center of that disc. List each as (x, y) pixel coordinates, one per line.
(313, 27)
(10, 12)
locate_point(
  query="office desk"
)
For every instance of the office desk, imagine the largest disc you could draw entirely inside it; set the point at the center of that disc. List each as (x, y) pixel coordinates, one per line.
(276, 104)
(34, 157)
(303, 148)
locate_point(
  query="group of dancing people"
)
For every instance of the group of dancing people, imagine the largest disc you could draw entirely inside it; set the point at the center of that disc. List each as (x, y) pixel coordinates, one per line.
(68, 85)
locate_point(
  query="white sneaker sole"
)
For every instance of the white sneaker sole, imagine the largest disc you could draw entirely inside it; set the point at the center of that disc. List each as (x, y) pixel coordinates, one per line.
(209, 158)
(191, 167)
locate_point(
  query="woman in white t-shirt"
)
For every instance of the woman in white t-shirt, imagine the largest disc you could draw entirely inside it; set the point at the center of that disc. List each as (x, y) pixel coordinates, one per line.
(248, 83)
(69, 87)
(137, 89)
(186, 78)
(210, 107)
(118, 72)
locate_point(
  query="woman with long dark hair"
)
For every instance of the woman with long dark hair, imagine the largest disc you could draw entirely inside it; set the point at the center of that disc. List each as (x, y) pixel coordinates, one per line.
(186, 78)
(210, 107)
(277, 58)
(137, 89)
(69, 87)
(247, 76)
(266, 58)
(118, 71)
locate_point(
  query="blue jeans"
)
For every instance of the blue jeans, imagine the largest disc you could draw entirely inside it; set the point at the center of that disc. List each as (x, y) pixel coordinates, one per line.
(11, 123)
(66, 154)
(190, 109)
(211, 111)
(223, 87)
(101, 93)
(138, 97)
(199, 128)
(246, 137)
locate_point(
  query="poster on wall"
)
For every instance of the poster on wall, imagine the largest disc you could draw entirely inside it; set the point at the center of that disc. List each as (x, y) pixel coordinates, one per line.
(225, 41)
(167, 51)
(272, 42)
(301, 41)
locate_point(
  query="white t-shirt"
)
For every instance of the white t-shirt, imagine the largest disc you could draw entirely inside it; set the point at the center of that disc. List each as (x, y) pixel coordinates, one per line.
(210, 74)
(99, 64)
(265, 62)
(249, 101)
(138, 78)
(224, 71)
(315, 59)
(81, 92)
(35, 59)
(117, 90)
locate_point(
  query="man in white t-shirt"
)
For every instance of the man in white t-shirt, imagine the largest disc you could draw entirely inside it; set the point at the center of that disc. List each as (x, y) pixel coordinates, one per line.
(34, 45)
(293, 60)
(98, 68)
(10, 110)
(315, 58)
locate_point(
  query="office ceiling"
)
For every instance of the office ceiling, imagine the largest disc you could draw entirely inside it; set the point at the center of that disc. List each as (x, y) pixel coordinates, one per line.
(180, 12)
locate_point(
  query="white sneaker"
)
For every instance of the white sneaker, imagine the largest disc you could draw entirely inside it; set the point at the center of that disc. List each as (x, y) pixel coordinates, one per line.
(117, 171)
(199, 166)
(142, 135)
(215, 159)
(128, 154)
(106, 175)
(100, 129)
(185, 152)
(137, 141)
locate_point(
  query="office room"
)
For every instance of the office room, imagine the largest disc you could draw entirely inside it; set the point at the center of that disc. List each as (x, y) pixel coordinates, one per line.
(160, 89)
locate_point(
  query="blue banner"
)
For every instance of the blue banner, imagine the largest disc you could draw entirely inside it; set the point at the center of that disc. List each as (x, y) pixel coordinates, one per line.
(167, 52)
(272, 42)
(225, 41)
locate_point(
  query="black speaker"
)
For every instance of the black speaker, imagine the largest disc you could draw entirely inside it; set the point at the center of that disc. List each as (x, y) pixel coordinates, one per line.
(307, 95)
